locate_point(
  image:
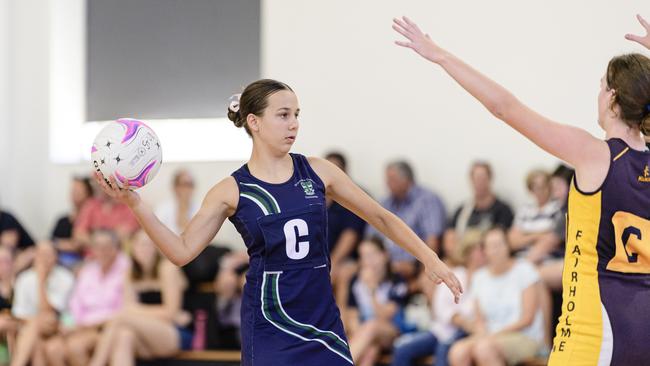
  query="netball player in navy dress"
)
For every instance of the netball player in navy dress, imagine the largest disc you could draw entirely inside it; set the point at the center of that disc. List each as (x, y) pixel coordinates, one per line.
(277, 203)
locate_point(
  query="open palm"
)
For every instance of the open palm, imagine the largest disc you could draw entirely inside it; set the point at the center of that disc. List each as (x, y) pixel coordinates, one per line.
(417, 40)
(642, 40)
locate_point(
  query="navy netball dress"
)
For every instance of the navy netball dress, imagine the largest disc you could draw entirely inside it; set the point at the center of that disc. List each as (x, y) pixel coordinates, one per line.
(289, 316)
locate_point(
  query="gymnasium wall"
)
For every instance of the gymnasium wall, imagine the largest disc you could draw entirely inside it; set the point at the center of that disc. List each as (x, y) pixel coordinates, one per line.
(26, 169)
(4, 87)
(359, 93)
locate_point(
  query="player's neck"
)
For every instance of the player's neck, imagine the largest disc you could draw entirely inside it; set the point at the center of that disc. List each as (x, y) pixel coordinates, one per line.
(631, 136)
(269, 167)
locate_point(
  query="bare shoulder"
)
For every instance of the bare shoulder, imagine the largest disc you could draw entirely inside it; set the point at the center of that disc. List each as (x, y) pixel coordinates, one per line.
(325, 170)
(598, 150)
(224, 194)
(317, 162)
(592, 171)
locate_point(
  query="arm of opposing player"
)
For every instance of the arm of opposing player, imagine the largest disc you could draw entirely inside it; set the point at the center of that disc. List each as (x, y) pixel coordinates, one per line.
(573, 145)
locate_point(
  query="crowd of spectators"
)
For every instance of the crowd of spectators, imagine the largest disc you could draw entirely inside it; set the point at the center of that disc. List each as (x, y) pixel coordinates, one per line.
(98, 292)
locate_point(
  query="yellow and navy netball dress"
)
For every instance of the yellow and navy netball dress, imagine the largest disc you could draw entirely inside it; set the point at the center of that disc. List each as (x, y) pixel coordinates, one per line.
(606, 280)
(289, 316)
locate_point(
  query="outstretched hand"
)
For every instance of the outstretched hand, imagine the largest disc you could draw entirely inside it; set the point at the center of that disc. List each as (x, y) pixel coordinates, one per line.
(417, 40)
(124, 195)
(642, 40)
(439, 273)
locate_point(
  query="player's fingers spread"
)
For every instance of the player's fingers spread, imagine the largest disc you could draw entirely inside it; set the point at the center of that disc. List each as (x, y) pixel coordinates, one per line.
(116, 188)
(102, 182)
(643, 22)
(401, 24)
(401, 31)
(404, 44)
(412, 24)
(98, 178)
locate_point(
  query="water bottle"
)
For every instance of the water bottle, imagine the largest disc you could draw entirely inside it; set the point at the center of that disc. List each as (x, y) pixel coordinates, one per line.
(200, 328)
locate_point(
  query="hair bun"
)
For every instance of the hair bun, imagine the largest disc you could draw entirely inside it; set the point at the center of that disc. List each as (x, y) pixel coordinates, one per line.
(235, 117)
(252, 101)
(233, 110)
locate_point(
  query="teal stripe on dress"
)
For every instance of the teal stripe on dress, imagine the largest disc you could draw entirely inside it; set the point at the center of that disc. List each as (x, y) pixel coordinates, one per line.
(260, 201)
(268, 197)
(331, 340)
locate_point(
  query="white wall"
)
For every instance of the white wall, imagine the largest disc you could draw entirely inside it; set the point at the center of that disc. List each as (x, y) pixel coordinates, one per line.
(26, 54)
(358, 92)
(4, 88)
(377, 101)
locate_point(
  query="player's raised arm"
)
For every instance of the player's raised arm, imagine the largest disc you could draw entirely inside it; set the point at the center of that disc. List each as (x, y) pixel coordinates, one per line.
(571, 144)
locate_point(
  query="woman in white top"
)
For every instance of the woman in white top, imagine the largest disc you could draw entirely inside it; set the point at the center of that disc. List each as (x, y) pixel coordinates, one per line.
(533, 228)
(508, 326)
(450, 321)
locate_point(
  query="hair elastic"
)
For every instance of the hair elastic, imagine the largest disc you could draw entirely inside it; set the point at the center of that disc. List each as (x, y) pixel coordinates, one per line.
(234, 103)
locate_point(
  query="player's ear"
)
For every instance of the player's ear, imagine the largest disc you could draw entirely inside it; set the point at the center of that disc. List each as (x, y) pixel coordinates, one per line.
(253, 122)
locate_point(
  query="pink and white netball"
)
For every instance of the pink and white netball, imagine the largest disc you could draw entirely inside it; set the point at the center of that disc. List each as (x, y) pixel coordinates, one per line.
(129, 150)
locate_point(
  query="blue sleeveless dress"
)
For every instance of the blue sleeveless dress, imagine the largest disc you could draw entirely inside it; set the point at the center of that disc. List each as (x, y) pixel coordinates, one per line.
(288, 314)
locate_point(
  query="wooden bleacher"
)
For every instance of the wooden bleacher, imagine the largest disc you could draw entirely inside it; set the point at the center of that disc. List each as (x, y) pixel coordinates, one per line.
(202, 290)
(232, 358)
